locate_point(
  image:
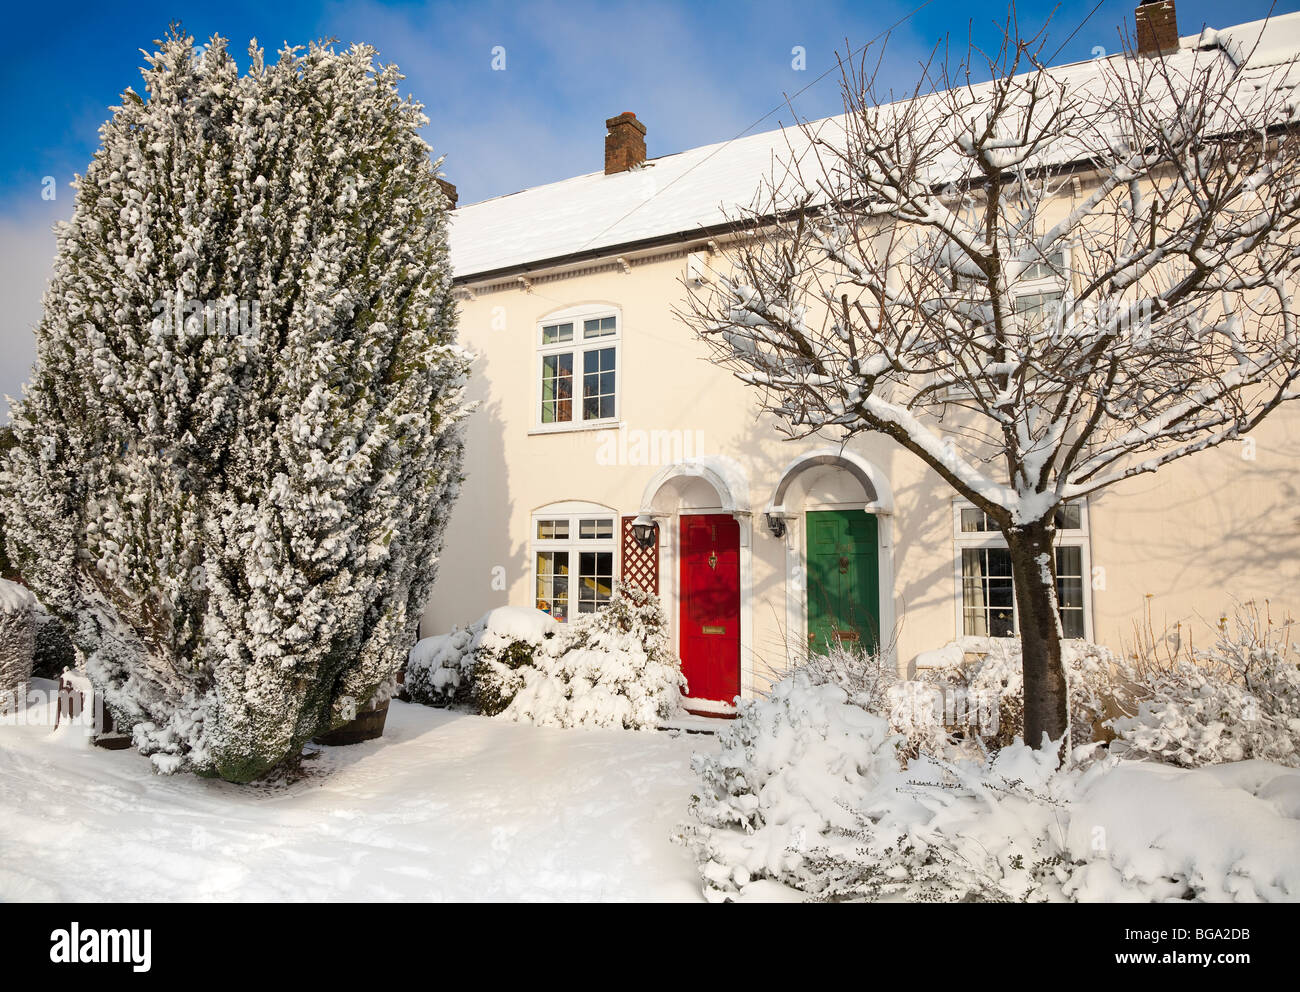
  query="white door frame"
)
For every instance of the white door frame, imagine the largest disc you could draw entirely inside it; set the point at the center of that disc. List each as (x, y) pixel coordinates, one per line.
(660, 503)
(795, 540)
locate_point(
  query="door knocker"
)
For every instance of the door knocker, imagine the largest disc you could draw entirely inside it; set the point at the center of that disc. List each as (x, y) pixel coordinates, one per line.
(713, 560)
(844, 566)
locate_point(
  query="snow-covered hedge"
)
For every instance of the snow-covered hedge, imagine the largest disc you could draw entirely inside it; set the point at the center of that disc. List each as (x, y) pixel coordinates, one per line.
(512, 641)
(993, 688)
(914, 709)
(982, 700)
(54, 648)
(614, 668)
(18, 609)
(442, 669)
(791, 769)
(1239, 699)
(812, 791)
(438, 669)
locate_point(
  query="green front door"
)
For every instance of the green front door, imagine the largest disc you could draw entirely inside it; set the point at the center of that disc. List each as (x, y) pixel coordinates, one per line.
(843, 580)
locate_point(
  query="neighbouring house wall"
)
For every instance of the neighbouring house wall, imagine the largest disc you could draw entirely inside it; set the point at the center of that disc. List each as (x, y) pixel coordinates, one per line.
(1198, 534)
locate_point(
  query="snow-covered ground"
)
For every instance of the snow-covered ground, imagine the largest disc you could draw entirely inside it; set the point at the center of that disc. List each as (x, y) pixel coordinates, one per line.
(447, 806)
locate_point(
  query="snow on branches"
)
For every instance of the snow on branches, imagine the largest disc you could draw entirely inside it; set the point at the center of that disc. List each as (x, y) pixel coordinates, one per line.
(1040, 285)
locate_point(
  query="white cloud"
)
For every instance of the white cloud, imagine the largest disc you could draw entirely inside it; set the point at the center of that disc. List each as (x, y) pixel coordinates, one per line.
(27, 253)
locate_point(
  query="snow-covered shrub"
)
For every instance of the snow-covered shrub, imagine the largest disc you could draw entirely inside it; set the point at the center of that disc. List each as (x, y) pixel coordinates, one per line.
(613, 668)
(993, 687)
(810, 789)
(791, 770)
(507, 641)
(242, 438)
(18, 609)
(1239, 699)
(865, 676)
(479, 665)
(438, 669)
(961, 831)
(915, 710)
(807, 789)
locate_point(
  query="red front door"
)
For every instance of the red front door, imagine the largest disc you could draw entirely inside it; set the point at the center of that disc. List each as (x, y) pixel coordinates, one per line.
(710, 606)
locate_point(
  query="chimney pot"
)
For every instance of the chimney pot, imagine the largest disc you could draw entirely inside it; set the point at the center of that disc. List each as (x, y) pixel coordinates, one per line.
(1157, 28)
(624, 143)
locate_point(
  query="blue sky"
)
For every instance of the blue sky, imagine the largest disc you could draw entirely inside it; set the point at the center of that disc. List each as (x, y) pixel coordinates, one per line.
(693, 72)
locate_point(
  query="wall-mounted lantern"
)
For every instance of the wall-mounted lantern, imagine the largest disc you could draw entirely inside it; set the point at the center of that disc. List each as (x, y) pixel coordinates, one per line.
(645, 531)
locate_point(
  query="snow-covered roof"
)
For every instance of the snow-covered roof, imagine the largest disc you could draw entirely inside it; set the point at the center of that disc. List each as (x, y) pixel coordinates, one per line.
(688, 192)
(1257, 43)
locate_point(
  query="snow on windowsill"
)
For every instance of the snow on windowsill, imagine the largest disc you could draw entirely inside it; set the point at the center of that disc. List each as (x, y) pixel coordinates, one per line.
(589, 425)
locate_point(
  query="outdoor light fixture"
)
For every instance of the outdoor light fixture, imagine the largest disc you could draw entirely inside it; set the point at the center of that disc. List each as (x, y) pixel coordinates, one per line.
(775, 524)
(644, 531)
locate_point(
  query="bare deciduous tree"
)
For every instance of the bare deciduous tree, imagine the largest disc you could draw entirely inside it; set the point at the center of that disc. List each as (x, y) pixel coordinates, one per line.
(1040, 285)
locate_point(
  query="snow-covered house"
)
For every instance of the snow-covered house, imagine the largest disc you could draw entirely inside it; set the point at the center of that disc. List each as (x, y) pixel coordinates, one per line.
(599, 414)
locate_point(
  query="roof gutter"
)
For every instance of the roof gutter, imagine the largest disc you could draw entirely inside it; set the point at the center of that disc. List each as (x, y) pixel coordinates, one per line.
(622, 248)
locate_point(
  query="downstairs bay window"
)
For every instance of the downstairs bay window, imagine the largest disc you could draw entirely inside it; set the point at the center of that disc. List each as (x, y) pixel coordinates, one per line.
(986, 592)
(573, 552)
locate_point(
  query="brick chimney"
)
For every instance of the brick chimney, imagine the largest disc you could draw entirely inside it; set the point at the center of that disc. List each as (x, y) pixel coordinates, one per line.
(624, 143)
(1157, 28)
(449, 191)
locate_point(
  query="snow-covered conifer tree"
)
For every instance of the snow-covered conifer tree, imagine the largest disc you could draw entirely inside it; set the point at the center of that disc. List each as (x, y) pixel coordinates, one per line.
(241, 441)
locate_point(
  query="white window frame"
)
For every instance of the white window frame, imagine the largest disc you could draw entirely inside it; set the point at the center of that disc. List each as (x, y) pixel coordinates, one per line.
(572, 512)
(1062, 284)
(963, 540)
(579, 346)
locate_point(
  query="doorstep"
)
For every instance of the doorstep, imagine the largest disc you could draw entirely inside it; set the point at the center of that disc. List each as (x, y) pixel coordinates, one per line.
(691, 725)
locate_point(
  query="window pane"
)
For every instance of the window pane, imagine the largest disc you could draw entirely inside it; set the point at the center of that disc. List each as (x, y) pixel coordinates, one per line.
(1069, 516)
(557, 333)
(1052, 267)
(600, 529)
(1069, 590)
(1069, 561)
(598, 384)
(557, 388)
(1039, 306)
(599, 328)
(988, 594)
(553, 583)
(595, 580)
(553, 530)
(974, 519)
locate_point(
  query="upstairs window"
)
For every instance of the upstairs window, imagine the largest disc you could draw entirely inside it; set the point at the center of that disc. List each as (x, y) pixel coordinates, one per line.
(986, 592)
(1041, 291)
(578, 360)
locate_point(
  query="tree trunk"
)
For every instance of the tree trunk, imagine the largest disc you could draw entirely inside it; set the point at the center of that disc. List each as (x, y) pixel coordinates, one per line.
(1033, 564)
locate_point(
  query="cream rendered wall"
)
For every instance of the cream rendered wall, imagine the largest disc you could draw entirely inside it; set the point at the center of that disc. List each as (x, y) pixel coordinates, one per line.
(1213, 526)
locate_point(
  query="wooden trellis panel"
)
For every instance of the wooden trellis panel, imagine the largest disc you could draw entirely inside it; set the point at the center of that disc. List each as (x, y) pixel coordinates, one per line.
(640, 565)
